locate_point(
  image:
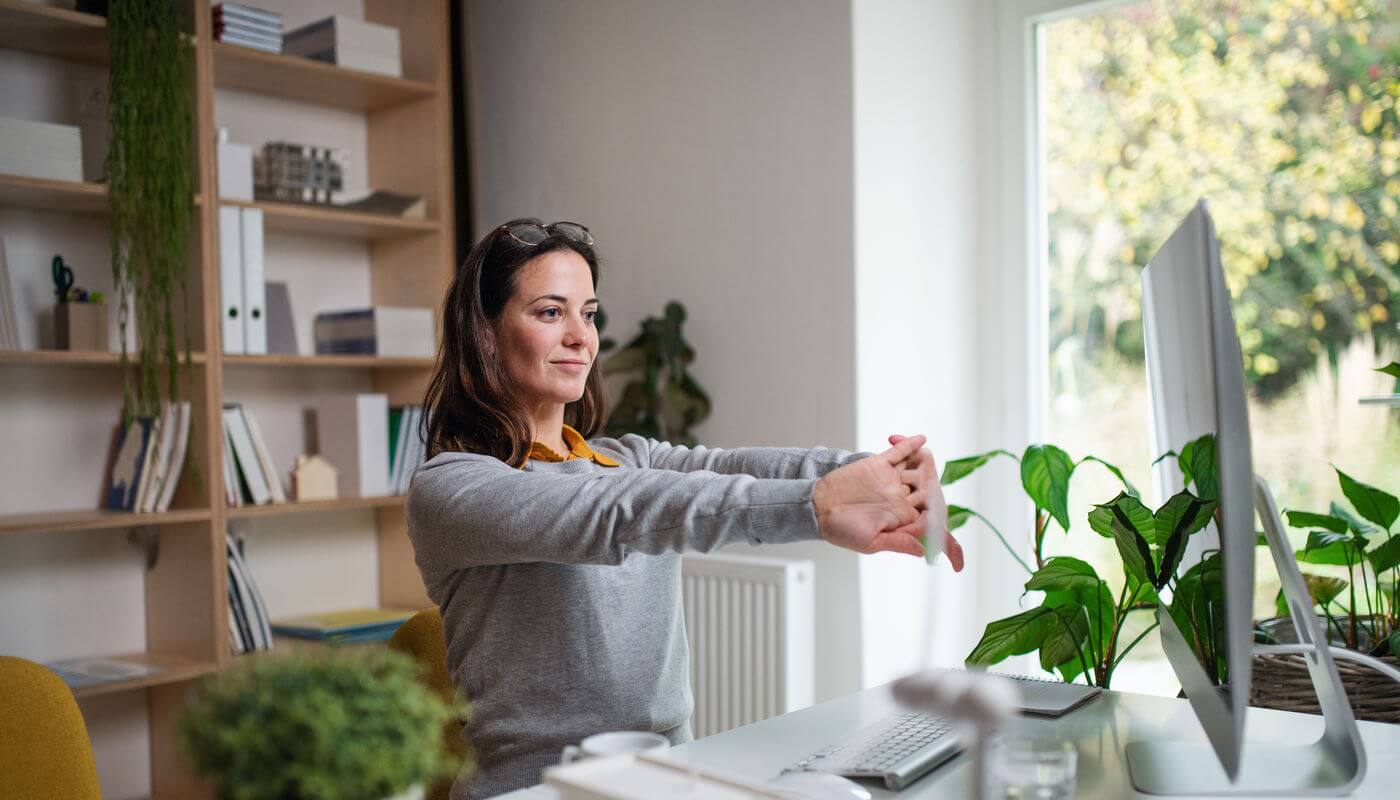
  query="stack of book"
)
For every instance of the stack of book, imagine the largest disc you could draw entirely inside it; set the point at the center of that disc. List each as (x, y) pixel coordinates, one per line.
(381, 331)
(41, 149)
(9, 321)
(407, 449)
(257, 28)
(248, 627)
(374, 448)
(147, 460)
(349, 42)
(344, 627)
(249, 475)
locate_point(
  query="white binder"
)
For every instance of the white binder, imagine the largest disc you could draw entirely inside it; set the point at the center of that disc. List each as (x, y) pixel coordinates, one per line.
(231, 279)
(254, 289)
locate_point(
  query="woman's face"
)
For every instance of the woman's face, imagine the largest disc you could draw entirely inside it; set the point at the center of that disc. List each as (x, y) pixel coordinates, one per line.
(545, 336)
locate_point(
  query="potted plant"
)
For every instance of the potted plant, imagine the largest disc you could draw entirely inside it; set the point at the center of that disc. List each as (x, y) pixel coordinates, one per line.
(1078, 626)
(150, 170)
(664, 401)
(335, 725)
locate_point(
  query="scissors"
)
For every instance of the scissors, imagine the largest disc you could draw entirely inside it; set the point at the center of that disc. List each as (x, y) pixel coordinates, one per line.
(62, 279)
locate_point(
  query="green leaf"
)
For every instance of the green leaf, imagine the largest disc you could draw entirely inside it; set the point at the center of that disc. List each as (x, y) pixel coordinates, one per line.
(1385, 555)
(1014, 635)
(1065, 637)
(1375, 505)
(1321, 589)
(1127, 484)
(1138, 515)
(1176, 521)
(1164, 457)
(1045, 471)
(1309, 519)
(1355, 524)
(958, 517)
(1327, 547)
(626, 360)
(1197, 462)
(1395, 644)
(1140, 593)
(1063, 574)
(1393, 370)
(960, 468)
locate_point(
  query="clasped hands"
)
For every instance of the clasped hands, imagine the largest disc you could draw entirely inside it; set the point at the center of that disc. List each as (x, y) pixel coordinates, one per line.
(883, 503)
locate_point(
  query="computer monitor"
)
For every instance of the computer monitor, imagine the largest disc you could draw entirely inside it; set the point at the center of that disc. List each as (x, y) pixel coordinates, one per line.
(1196, 381)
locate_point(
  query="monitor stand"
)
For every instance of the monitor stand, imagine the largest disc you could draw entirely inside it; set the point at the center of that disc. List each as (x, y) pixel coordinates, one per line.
(1332, 765)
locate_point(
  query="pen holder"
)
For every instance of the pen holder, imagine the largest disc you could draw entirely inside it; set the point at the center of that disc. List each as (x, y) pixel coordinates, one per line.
(80, 326)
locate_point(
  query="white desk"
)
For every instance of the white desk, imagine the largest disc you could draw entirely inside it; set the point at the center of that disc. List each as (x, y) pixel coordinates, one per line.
(1099, 729)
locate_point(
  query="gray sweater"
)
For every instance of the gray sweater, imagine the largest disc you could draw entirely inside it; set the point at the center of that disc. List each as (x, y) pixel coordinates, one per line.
(560, 585)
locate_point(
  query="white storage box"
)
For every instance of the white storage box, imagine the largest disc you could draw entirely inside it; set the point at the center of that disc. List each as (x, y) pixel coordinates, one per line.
(348, 42)
(41, 149)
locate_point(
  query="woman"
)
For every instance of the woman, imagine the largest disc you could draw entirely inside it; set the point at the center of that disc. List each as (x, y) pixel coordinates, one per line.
(555, 557)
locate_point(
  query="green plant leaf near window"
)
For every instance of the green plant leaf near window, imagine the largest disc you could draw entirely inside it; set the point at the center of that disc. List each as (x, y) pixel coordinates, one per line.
(959, 468)
(665, 401)
(1392, 369)
(1371, 503)
(151, 186)
(341, 725)
(1045, 474)
(1309, 519)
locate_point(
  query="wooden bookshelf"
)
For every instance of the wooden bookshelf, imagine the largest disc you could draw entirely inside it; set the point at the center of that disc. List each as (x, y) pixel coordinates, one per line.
(96, 520)
(60, 358)
(330, 221)
(56, 32)
(330, 361)
(314, 82)
(407, 135)
(174, 669)
(79, 197)
(314, 506)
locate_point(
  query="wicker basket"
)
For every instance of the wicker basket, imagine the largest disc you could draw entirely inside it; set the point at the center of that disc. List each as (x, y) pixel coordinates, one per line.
(1282, 681)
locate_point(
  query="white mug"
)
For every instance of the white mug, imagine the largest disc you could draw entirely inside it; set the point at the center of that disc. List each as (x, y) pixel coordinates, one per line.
(614, 743)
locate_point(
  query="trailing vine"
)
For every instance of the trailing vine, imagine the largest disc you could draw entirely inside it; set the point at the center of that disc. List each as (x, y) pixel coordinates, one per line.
(151, 183)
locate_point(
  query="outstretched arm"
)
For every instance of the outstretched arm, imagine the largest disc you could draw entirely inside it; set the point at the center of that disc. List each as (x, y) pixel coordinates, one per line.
(760, 462)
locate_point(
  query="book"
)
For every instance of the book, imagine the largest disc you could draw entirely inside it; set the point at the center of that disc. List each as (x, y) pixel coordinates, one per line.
(353, 437)
(233, 494)
(177, 456)
(255, 44)
(250, 601)
(79, 673)
(379, 201)
(250, 14)
(281, 331)
(9, 324)
(132, 448)
(352, 624)
(41, 149)
(379, 330)
(269, 471)
(160, 459)
(245, 456)
(348, 42)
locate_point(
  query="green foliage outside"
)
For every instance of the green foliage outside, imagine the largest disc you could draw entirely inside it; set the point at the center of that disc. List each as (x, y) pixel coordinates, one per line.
(1283, 115)
(341, 725)
(663, 400)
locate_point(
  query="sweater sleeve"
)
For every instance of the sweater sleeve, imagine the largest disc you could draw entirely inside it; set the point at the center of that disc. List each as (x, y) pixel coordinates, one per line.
(466, 510)
(760, 462)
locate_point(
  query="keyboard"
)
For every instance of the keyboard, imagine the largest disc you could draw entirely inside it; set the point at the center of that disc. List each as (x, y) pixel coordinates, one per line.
(897, 750)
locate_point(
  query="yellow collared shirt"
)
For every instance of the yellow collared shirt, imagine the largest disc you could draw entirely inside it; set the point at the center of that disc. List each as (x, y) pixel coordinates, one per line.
(578, 448)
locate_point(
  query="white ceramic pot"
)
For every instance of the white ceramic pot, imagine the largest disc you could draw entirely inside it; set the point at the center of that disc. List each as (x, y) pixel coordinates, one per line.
(413, 793)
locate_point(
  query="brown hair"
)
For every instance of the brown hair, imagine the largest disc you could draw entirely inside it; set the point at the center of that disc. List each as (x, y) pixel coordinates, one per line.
(470, 405)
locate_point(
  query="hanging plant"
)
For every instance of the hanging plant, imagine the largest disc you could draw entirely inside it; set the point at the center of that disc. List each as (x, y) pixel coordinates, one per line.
(150, 169)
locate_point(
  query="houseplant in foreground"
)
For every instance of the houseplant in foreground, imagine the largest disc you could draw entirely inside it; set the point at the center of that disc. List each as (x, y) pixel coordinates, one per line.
(338, 725)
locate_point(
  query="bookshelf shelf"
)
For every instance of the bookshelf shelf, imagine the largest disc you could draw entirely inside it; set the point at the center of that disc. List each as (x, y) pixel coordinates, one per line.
(307, 81)
(175, 669)
(95, 520)
(342, 362)
(57, 32)
(60, 358)
(52, 195)
(313, 506)
(335, 222)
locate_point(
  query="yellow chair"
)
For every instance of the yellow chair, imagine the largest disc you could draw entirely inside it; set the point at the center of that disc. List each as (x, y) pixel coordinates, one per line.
(44, 747)
(421, 637)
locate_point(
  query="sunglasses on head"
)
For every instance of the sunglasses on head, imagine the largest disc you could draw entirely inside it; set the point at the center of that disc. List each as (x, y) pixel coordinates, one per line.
(531, 234)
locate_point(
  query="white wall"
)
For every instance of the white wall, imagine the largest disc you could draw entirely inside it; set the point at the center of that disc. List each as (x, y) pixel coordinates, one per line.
(708, 146)
(918, 176)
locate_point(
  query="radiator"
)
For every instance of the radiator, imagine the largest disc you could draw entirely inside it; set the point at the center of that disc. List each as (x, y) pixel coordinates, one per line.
(750, 624)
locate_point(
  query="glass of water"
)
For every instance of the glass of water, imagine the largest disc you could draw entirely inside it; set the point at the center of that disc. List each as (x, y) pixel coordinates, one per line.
(1030, 769)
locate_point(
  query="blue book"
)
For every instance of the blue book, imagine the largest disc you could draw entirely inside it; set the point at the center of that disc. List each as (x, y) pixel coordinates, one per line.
(133, 448)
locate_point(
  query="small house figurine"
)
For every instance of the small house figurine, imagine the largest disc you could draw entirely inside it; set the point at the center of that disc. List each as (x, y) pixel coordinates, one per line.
(313, 478)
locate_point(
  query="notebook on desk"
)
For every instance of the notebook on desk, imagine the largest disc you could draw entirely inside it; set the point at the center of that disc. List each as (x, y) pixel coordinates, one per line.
(1047, 697)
